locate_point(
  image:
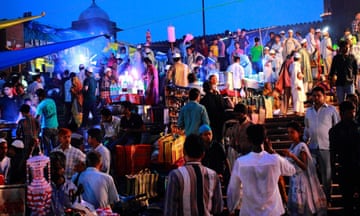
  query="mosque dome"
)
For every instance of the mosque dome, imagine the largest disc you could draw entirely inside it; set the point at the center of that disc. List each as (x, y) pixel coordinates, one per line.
(92, 12)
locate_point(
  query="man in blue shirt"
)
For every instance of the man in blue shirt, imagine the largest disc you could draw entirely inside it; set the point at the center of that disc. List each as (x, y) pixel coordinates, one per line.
(99, 188)
(49, 122)
(319, 119)
(193, 114)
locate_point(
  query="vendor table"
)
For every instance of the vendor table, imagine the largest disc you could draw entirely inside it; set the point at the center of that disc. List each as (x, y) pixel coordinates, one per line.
(133, 98)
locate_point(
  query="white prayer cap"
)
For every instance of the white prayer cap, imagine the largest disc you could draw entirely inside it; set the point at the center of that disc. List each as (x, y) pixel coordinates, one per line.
(167, 67)
(176, 55)
(18, 144)
(89, 69)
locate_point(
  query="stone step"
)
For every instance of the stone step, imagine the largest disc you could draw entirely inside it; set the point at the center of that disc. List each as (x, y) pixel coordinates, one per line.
(275, 130)
(287, 118)
(278, 137)
(281, 144)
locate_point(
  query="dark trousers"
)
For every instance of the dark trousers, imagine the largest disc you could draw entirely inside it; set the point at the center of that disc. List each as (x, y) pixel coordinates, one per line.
(67, 113)
(87, 108)
(49, 137)
(348, 187)
(223, 63)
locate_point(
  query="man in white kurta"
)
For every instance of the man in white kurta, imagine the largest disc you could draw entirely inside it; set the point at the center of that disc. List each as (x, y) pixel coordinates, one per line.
(254, 179)
(235, 74)
(277, 47)
(326, 52)
(268, 60)
(310, 37)
(297, 85)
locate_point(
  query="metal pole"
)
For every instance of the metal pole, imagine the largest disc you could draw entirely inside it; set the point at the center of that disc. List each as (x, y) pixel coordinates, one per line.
(203, 17)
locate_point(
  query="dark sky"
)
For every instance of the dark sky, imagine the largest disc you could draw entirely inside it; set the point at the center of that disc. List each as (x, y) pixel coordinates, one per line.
(135, 16)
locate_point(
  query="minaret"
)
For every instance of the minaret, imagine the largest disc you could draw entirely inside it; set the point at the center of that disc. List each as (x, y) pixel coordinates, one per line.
(326, 15)
(327, 6)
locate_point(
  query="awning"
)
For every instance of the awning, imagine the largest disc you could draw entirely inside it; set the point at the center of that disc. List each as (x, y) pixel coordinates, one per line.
(12, 58)
(8, 23)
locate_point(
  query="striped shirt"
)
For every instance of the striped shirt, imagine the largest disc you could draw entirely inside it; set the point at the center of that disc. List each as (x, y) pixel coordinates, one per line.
(105, 88)
(74, 156)
(193, 190)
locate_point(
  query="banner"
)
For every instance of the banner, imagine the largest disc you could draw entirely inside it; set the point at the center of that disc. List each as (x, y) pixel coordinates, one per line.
(12, 58)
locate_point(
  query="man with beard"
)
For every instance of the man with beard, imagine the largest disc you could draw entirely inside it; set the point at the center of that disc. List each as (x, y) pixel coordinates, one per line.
(319, 118)
(215, 157)
(237, 133)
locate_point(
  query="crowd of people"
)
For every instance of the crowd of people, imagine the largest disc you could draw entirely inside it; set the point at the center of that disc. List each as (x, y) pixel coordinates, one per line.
(238, 155)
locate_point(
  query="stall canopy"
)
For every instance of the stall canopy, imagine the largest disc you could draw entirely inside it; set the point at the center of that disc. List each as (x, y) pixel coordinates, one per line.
(8, 23)
(12, 58)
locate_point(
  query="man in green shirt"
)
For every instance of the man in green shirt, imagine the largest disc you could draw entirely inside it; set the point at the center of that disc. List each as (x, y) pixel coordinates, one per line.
(46, 111)
(256, 56)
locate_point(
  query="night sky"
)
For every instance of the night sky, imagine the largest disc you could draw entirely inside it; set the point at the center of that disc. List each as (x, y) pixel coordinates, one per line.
(135, 16)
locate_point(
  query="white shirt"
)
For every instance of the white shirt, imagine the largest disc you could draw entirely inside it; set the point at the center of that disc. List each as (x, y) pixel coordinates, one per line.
(112, 128)
(99, 188)
(295, 69)
(290, 45)
(310, 38)
(324, 44)
(238, 74)
(259, 174)
(267, 65)
(105, 157)
(318, 124)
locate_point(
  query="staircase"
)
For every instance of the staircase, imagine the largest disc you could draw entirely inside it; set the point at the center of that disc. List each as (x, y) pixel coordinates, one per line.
(277, 133)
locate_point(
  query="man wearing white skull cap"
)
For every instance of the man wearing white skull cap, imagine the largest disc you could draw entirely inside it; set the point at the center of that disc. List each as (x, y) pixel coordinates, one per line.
(326, 52)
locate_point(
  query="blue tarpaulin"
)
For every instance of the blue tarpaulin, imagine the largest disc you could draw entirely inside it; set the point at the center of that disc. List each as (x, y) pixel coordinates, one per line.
(12, 58)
